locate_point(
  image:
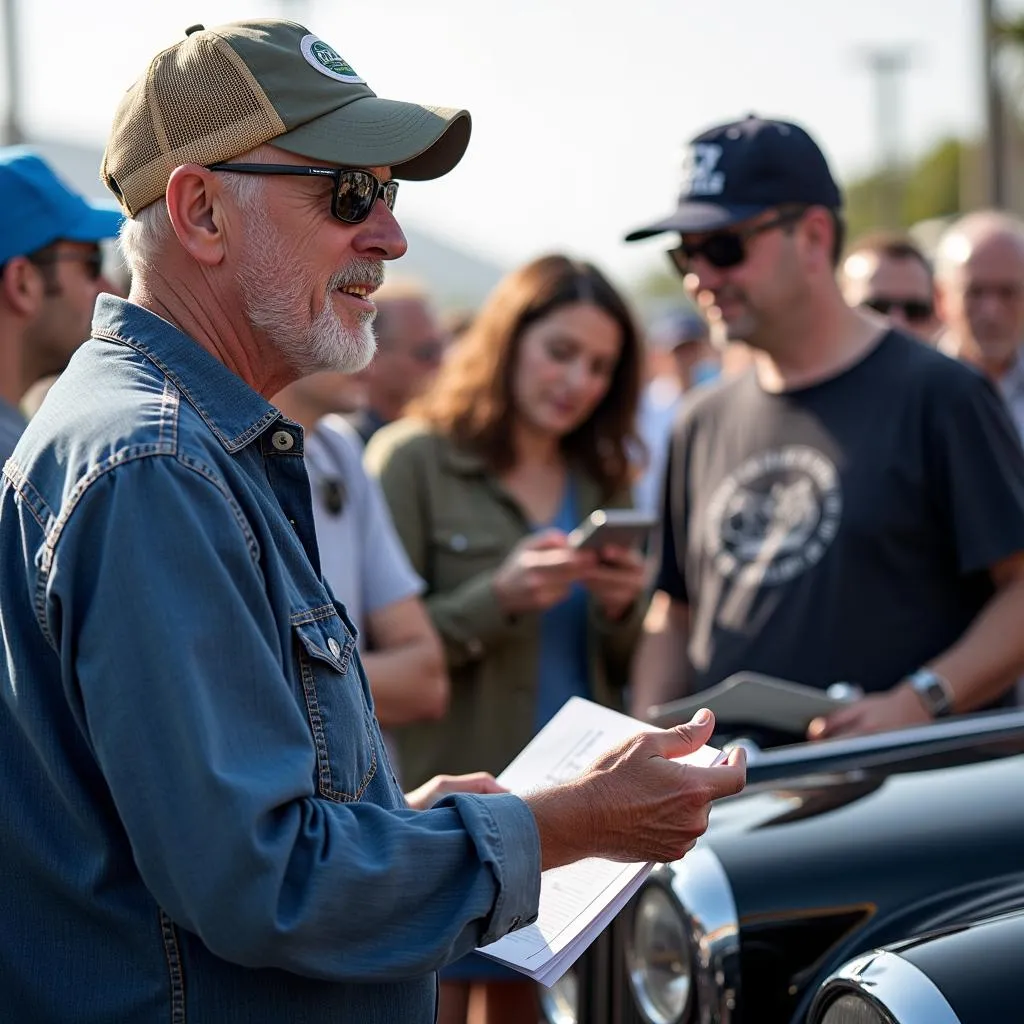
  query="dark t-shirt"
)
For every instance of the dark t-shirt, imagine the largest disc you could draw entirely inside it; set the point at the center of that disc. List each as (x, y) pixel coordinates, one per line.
(843, 531)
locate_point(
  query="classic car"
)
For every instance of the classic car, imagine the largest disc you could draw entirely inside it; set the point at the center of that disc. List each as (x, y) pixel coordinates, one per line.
(844, 869)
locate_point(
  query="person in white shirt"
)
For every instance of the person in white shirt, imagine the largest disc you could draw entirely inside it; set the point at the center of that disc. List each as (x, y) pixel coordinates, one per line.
(363, 560)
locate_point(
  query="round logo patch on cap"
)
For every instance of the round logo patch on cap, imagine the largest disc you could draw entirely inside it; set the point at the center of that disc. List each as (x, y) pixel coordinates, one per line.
(328, 61)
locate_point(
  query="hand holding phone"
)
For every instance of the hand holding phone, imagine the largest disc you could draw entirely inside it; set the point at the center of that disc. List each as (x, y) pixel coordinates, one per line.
(613, 527)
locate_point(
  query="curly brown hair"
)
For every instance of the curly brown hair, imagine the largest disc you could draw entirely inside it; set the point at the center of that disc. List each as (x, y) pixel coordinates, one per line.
(471, 399)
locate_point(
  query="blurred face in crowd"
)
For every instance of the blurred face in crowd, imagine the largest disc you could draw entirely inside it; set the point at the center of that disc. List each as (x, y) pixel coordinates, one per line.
(306, 277)
(71, 279)
(981, 296)
(755, 298)
(897, 287)
(328, 391)
(410, 346)
(564, 367)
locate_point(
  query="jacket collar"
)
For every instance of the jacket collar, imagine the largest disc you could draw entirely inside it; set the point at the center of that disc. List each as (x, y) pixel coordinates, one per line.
(231, 409)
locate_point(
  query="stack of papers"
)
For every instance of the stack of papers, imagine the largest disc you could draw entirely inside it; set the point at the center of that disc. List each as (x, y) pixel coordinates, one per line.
(577, 901)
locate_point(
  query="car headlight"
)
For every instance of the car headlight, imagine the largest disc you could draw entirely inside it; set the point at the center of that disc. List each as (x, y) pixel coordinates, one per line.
(880, 988)
(659, 957)
(561, 1002)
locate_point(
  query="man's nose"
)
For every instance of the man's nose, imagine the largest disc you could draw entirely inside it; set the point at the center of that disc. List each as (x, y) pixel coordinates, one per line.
(381, 236)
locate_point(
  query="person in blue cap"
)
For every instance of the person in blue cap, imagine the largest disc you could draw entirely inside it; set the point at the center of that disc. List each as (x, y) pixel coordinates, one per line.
(50, 274)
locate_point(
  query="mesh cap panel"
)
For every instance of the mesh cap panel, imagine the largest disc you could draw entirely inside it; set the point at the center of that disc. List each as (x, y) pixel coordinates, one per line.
(199, 86)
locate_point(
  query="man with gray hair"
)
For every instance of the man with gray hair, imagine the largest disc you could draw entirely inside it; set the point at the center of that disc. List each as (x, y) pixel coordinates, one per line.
(198, 803)
(410, 346)
(979, 286)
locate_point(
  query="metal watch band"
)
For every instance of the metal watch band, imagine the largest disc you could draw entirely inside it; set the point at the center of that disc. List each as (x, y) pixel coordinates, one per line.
(934, 691)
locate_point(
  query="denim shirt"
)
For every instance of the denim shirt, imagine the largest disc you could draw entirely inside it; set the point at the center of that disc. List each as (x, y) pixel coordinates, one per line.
(200, 821)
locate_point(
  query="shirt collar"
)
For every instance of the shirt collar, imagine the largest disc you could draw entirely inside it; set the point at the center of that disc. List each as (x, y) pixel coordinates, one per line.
(1012, 382)
(231, 408)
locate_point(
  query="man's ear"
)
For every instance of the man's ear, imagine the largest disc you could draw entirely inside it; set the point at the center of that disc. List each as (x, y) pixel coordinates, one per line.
(22, 286)
(195, 205)
(819, 232)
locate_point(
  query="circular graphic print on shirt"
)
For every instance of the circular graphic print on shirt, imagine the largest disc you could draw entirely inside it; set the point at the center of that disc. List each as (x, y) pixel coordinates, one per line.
(774, 517)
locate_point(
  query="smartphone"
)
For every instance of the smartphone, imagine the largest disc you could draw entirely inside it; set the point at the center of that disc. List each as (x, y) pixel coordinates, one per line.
(615, 527)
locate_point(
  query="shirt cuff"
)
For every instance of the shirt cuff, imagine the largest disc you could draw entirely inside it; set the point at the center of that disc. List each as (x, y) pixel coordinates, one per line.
(505, 833)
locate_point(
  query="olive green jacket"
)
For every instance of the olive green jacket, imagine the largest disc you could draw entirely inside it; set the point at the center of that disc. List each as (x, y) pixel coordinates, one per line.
(457, 524)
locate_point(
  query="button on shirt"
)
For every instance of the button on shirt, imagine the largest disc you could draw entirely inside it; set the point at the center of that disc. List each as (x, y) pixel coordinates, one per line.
(201, 821)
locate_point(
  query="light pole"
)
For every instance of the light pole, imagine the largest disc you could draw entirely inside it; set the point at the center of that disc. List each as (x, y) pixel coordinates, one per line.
(10, 128)
(995, 115)
(887, 66)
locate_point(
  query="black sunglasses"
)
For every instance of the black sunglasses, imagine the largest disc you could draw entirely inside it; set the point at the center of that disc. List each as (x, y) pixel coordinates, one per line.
(93, 261)
(724, 249)
(355, 191)
(915, 310)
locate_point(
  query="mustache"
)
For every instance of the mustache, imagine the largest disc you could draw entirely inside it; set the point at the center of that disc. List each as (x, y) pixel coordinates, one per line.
(368, 272)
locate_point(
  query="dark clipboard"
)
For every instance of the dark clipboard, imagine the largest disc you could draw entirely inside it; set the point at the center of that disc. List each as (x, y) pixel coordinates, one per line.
(751, 699)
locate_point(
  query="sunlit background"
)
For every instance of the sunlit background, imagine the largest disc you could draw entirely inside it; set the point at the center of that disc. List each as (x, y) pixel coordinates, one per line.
(580, 108)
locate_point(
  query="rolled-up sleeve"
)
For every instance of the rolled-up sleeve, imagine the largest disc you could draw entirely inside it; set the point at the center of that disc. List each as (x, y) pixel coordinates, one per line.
(175, 666)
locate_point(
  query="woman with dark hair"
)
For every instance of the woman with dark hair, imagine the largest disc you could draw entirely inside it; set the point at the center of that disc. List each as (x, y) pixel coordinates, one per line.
(528, 428)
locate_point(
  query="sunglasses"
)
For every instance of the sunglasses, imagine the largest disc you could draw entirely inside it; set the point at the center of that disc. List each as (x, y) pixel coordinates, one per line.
(915, 310)
(355, 191)
(724, 249)
(93, 261)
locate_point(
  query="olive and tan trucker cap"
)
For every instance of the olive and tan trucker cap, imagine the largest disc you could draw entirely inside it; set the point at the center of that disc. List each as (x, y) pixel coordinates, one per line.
(223, 91)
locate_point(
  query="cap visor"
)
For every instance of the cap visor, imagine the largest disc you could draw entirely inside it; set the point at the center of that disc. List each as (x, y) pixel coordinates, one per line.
(415, 141)
(698, 217)
(98, 222)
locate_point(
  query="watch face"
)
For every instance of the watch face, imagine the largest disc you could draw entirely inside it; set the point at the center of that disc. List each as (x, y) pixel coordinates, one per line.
(932, 692)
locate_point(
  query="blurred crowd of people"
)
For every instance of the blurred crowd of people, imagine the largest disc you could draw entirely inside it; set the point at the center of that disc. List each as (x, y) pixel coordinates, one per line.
(827, 434)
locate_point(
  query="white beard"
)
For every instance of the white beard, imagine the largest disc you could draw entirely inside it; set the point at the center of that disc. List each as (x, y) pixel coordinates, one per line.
(276, 301)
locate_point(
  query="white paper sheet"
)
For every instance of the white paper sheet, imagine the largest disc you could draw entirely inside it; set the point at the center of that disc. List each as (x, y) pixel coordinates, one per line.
(577, 901)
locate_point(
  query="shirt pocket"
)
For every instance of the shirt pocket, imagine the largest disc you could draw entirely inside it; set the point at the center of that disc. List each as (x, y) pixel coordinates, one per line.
(459, 555)
(339, 716)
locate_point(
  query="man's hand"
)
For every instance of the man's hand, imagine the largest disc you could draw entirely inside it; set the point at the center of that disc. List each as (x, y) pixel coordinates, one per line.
(634, 803)
(617, 580)
(899, 708)
(441, 785)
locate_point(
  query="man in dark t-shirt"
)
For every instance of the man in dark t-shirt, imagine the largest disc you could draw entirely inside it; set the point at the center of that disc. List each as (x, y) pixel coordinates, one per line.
(850, 509)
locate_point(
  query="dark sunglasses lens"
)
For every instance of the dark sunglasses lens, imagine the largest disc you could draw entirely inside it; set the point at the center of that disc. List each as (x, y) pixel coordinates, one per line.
(680, 261)
(390, 193)
(94, 265)
(917, 311)
(724, 250)
(357, 192)
(882, 306)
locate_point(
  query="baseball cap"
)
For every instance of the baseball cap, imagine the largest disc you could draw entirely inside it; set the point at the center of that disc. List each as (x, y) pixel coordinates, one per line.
(38, 208)
(738, 170)
(223, 91)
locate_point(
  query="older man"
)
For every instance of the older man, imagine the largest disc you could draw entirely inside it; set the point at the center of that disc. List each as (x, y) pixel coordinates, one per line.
(410, 344)
(980, 290)
(50, 275)
(199, 808)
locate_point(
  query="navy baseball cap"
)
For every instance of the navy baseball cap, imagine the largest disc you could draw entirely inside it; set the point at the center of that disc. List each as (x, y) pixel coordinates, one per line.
(38, 208)
(738, 170)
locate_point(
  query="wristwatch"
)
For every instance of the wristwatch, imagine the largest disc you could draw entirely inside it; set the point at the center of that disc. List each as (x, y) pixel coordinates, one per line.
(934, 692)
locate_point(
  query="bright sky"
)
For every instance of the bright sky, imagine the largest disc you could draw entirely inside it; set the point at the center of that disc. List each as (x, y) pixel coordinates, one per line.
(580, 107)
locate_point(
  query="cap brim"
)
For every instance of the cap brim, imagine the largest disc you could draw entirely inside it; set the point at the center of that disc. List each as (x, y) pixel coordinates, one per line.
(416, 142)
(698, 217)
(98, 222)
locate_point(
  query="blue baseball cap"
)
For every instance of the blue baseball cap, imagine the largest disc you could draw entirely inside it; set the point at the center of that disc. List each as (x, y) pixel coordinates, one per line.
(38, 208)
(735, 171)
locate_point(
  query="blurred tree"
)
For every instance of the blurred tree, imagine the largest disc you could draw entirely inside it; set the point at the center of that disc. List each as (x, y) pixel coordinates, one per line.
(932, 188)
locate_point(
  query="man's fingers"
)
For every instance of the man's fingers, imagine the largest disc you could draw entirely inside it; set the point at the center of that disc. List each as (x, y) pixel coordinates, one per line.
(476, 782)
(832, 725)
(685, 739)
